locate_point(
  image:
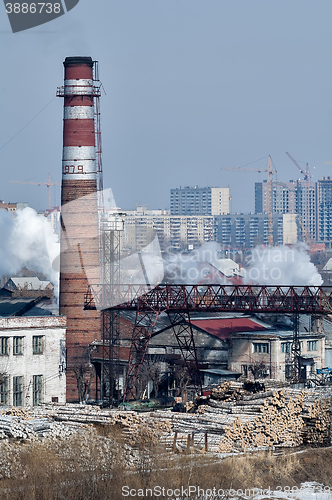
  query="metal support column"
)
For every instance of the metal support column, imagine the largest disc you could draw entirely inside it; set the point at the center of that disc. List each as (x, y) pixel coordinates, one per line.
(296, 351)
(182, 329)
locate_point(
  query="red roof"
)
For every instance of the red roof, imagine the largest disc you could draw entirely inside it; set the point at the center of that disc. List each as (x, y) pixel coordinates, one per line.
(221, 327)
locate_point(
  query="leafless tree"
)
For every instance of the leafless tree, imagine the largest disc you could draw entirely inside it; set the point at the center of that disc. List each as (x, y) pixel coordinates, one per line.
(182, 378)
(84, 376)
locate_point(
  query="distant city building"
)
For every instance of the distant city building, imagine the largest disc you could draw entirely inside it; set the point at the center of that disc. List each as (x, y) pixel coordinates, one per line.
(248, 230)
(174, 232)
(53, 217)
(12, 207)
(325, 209)
(199, 201)
(31, 283)
(293, 197)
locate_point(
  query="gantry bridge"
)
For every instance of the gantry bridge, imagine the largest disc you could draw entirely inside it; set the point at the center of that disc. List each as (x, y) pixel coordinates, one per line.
(178, 301)
(213, 298)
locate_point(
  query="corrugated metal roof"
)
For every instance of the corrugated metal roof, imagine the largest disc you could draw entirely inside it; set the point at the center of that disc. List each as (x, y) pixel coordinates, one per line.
(216, 371)
(15, 306)
(221, 328)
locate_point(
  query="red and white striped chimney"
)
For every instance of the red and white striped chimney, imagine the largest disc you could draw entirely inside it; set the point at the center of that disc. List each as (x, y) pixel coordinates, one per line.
(79, 217)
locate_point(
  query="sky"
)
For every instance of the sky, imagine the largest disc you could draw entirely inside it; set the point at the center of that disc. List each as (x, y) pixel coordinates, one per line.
(191, 86)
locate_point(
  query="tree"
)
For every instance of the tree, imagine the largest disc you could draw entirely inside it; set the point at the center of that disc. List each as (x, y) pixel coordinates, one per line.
(84, 379)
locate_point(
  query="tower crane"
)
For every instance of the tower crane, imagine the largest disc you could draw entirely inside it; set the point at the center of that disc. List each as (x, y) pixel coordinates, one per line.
(269, 171)
(307, 176)
(49, 185)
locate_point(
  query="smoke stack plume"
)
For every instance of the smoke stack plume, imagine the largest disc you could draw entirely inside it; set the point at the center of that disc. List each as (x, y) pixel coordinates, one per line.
(79, 218)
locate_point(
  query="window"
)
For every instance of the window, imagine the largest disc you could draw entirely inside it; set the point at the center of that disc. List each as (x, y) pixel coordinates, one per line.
(286, 346)
(260, 347)
(312, 345)
(4, 346)
(288, 371)
(244, 370)
(37, 389)
(18, 345)
(37, 344)
(18, 391)
(4, 390)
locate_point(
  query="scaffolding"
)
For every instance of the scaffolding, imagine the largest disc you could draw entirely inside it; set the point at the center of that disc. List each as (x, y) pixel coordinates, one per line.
(110, 246)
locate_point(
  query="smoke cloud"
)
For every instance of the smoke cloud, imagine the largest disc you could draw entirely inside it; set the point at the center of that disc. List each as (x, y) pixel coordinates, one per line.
(201, 265)
(281, 266)
(27, 240)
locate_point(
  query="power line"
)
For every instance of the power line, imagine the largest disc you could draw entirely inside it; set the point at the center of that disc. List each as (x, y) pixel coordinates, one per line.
(25, 126)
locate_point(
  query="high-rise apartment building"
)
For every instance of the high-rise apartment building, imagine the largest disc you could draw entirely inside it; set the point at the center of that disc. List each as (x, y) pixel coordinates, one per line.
(293, 197)
(175, 232)
(199, 201)
(325, 209)
(248, 230)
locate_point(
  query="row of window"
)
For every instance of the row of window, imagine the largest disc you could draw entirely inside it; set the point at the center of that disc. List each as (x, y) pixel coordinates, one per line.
(312, 345)
(17, 388)
(18, 343)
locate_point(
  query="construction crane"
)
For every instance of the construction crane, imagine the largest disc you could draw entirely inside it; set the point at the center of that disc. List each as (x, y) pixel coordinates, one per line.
(307, 176)
(49, 185)
(269, 171)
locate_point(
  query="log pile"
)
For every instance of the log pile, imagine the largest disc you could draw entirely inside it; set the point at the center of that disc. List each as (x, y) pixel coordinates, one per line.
(230, 420)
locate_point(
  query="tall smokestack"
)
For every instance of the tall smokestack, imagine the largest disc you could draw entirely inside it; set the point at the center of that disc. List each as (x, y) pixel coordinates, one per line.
(79, 220)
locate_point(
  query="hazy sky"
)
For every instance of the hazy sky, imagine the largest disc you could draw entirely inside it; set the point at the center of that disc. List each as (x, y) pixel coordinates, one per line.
(191, 86)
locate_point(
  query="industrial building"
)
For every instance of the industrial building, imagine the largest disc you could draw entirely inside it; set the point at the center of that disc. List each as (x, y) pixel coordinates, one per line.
(32, 352)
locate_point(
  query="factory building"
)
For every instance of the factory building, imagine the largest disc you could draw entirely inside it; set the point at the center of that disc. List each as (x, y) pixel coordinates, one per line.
(199, 201)
(32, 352)
(270, 353)
(227, 346)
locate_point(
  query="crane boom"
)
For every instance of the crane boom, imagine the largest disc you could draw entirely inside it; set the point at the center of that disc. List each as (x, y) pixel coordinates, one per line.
(305, 173)
(269, 171)
(49, 185)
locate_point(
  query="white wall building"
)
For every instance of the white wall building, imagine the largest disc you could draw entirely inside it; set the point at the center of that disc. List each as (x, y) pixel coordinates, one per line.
(32, 360)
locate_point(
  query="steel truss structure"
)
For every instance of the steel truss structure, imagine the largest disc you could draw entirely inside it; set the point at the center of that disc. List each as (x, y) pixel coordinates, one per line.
(109, 252)
(316, 300)
(179, 300)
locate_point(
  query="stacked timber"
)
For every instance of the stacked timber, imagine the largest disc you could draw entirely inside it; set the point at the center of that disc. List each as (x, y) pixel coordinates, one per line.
(23, 428)
(230, 420)
(317, 428)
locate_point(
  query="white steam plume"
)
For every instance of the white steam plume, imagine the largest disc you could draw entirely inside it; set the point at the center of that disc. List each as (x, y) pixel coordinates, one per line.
(27, 240)
(281, 266)
(197, 266)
